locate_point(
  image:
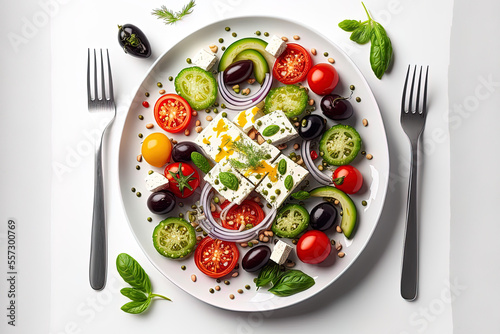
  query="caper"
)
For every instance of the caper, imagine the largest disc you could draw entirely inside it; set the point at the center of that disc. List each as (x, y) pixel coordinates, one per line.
(257, 33)
(221, 40)
(216, 104)
(227, 28)
(216, 110)
(147, 94)
(224, 114)
(159, 84)
(248, 226)
(247, 287)
(223, 106)
(149, 219)
(188, 60)
(364, 203)
(216, 200)
(227, 282)
(273, 198)
(137, 167)
(133, 189)
(138, 194)
(266, 34)
(277, 191)
(181, 215)
(358, 99)
(216, 181)
(211, 290)
(234, 34)
(140, 135)
(150, 172)
(170, 78)
(141, 117)
(223, 48)
(351, 87)
(325, 54)
(269, 185)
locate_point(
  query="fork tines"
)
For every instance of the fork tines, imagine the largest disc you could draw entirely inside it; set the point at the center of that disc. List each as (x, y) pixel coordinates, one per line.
(419, 104)
(97, 89)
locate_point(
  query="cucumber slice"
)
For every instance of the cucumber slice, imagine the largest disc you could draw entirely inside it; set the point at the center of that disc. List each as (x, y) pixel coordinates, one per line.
(291, 99)
(340, 145)
(241, 45)
(174, 238)
(291, 221)
(197, 86)
(260, 67)
(349, 212)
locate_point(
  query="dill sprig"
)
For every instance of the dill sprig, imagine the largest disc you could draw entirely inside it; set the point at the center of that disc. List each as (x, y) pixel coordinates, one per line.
(253, 154)
(169, 16)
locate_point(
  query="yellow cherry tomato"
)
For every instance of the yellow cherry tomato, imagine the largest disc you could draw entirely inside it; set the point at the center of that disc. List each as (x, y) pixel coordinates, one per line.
(156, 149)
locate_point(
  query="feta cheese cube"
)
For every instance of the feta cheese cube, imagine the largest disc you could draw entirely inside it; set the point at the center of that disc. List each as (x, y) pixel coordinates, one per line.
(280, 252)
(276, 46)
(234, 196)
(246, 119)
(205, 59)
(274, 186)
(218, 137)
(156, 182)
(285, 131)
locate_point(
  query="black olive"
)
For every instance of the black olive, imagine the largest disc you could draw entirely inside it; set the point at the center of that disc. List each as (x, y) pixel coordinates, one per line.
(161, 202)
(312, 126)
(133, 41)
(182, 151)
(323, 216)
(238, 72)
(256, 258)
(336, 107)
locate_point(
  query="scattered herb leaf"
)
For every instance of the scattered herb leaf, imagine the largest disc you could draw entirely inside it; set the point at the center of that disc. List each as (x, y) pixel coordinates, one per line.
(169, 16)
(201, 162)
(301, 195)
(229, 180)
(269, 274)
(292, 282)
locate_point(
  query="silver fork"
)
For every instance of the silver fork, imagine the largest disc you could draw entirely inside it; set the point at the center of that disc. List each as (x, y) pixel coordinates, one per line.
(104, 105)
(413, 114)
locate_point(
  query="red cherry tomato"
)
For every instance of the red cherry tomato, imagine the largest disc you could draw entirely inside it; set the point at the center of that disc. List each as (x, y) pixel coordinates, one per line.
(348, 179)
(292, 65)
(313, 247)
(172, 113)
(216, 258)
(248, 212)
(314, 155)
(183, 179)
(322, 78)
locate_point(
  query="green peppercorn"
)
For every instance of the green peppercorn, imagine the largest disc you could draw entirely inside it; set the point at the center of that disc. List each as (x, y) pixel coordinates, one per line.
(150, 219)
(269, 185)
(223, 48)
(137, 167)
(147, 94)
(351, 87)
(221, 40)
(257, 33)
(265, 192)
(358, 99)
(293, 154)
(181, 215)
(133, 189)
(208, 111)
(216, 111)
(218, 280)
(150, 172)
(224, 114)
(247, 287)
(266, 34)
(211, 290)
(273, 198)
(159, 84)
(277, 191)
(216, 200)
(170, 78)
(364, 203)
(325, 54)
(250, 244)
(183, 267)
(234, 34)
(216, 104)
(140, 135)
(227, 282)
(227, 28)
(138, 194)
(225, 188)
(141, 117)
(248, 226)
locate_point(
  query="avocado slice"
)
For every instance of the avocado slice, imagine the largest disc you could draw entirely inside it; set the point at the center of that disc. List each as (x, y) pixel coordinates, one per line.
(241, 45)
(349, 212)
(260, 66)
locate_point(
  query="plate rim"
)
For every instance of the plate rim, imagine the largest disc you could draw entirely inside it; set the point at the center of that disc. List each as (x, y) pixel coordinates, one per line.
(384, 172)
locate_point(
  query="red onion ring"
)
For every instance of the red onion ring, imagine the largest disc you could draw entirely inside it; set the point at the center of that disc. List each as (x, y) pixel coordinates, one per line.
(316, 174)
(242, 103)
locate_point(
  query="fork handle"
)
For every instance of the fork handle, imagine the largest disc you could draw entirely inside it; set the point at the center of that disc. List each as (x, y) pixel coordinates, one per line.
(409, 274)
(98, 253)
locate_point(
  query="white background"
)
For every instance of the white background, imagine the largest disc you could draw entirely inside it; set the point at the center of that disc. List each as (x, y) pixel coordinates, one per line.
(45, 124)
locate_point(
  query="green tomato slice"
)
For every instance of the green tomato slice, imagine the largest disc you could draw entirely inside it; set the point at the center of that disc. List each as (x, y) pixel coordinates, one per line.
(291, 99)
(197, 86)
(174, 238)
(340, 145)
(291, 220)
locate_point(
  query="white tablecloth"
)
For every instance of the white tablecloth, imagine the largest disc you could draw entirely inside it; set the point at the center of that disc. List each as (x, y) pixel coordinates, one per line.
(48, 170)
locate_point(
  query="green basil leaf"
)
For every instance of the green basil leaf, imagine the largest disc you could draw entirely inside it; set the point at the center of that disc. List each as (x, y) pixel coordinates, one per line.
(282, 166)
(289, 182)
(362, 34)
(271, 130)
(301, 195)
(349, 25)
(292, 282)
(134, 294)
(136, 307)
(229, 180)
(132, 273)
(201, 162)
(381, 50)
(269, 274)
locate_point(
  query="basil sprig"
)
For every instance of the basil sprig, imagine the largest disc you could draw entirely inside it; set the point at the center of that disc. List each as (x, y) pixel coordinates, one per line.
(370, 30)
(269, 274)
(140, 292)
(292, 282)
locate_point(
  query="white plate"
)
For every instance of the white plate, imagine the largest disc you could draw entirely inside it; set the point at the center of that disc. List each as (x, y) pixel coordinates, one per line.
(375, 171)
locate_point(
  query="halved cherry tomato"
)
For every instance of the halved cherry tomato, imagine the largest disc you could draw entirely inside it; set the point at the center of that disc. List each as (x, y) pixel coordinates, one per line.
(292, 65)
(183, 179)
(322, 78)
(313, 247)
(216, 258)
(248, 212)
(348, 179)
(172, 113)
